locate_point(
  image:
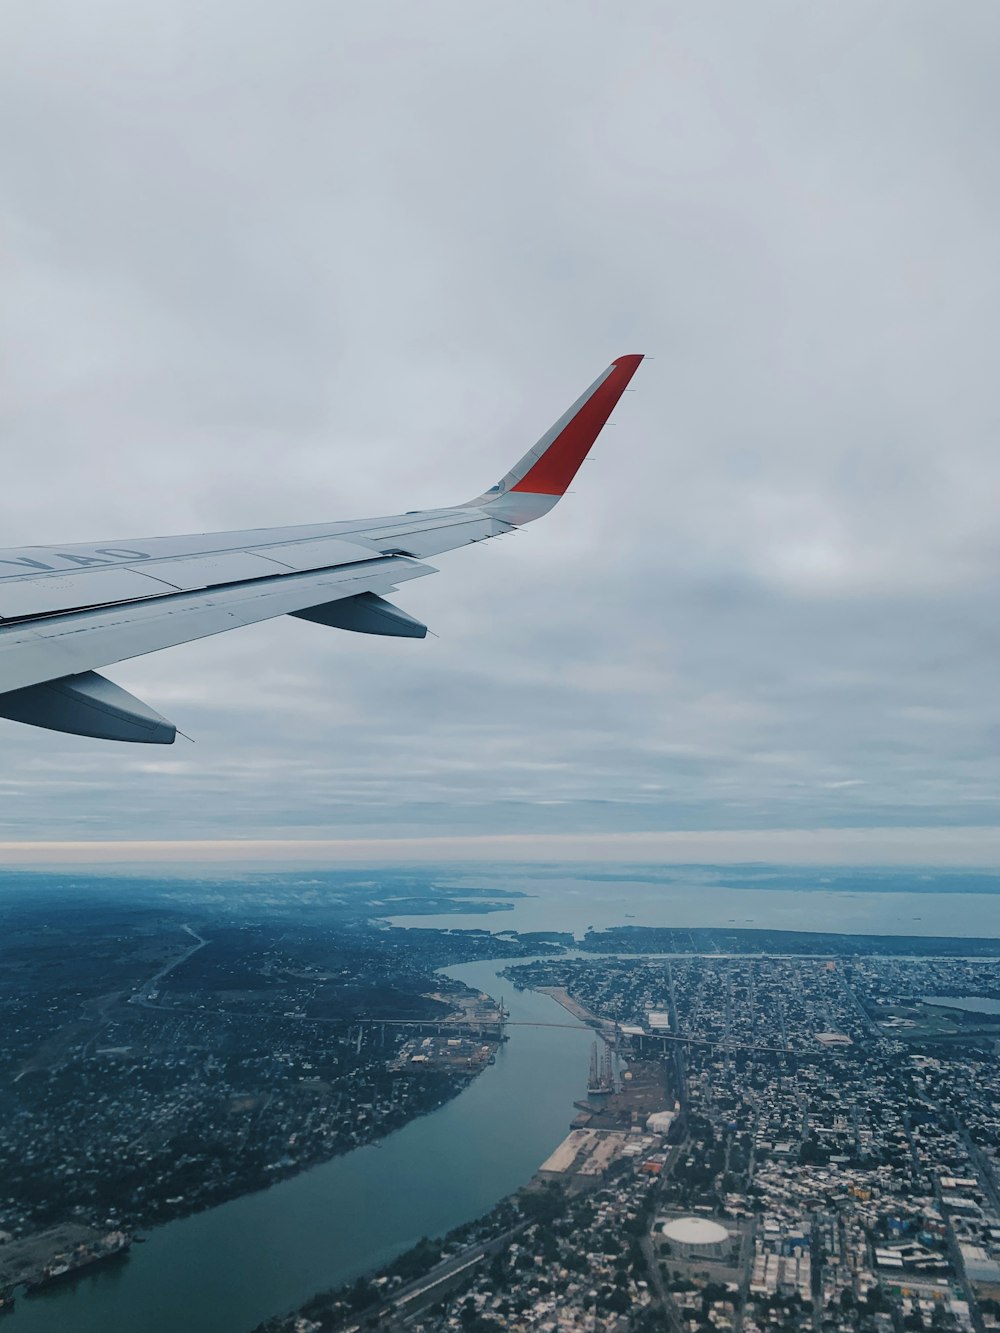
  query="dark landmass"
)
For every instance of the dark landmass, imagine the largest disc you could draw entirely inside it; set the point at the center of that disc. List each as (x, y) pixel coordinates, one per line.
(347, 895)
(814, 879)
(537, 940)
(442, 907)
(167, 1045)
(659, 939)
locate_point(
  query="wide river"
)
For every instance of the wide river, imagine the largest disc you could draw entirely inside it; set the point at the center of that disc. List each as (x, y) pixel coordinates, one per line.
(225, 1270)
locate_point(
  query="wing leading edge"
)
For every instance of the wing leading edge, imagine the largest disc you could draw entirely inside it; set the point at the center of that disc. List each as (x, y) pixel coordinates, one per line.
(65, 612)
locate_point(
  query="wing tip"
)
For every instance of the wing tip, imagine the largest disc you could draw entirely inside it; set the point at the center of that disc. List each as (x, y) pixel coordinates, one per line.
(551, 472)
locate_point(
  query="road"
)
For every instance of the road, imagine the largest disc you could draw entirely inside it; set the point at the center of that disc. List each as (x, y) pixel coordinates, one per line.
(144, 994)
(81, 1034)
(412, 1297)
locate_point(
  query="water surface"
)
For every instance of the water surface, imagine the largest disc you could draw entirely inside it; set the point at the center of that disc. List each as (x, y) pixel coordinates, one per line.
(225, 1270)
(575, 905)
(969, 1004)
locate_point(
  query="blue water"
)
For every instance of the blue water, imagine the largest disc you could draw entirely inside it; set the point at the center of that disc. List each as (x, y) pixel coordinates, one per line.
(969, 1004)
(225, 1270)
(571, 904)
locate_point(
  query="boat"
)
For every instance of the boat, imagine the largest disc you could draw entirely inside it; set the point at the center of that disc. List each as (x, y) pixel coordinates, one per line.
(115, 1245)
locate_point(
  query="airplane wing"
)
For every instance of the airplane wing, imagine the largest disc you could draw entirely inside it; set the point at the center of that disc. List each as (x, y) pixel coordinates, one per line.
(65, 612)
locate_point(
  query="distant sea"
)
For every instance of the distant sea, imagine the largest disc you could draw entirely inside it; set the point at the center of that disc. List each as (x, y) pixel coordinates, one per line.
(877, 902)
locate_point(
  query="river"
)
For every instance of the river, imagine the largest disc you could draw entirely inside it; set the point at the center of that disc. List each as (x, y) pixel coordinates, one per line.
(225, 1270)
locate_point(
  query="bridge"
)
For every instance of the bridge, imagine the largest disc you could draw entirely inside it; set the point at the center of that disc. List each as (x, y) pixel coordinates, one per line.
(492, 1026)
(443, 1025)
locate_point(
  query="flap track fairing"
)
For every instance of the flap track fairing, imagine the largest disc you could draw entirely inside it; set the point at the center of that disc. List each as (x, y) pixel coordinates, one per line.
(88, 705)
(365, 613)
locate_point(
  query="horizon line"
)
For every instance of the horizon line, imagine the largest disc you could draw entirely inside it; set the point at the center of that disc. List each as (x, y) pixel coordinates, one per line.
(972, 846)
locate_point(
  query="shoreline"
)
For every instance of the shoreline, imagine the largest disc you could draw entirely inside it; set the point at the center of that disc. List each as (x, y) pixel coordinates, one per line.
(563, 997)
(34, 1279)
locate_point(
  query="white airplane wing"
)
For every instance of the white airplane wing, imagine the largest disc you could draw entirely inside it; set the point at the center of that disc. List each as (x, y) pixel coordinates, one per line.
(65, 612)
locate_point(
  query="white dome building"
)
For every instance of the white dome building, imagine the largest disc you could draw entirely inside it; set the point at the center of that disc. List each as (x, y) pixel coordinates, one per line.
(696, 1238)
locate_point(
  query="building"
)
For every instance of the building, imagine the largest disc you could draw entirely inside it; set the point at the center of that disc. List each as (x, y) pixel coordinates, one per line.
(659, 1122)
(696, 1238)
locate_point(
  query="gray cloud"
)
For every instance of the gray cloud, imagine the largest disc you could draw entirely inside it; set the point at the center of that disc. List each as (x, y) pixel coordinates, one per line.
(273, 266)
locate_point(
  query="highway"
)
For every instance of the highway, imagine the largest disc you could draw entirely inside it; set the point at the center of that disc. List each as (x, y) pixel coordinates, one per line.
(142, 995)
(410, 1299)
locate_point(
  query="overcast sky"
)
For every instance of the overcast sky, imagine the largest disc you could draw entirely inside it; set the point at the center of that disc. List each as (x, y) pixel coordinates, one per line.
(268, 264)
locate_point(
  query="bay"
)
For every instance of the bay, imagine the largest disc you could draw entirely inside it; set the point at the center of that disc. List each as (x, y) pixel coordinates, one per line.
(575, 905)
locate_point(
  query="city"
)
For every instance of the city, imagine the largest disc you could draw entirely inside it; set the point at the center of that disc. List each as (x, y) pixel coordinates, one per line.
(151, 1068)
(824, 1155)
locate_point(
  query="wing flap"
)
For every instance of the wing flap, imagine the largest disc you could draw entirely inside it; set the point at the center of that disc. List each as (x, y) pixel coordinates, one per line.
(44, 594)
(191, 572)
(326, 552)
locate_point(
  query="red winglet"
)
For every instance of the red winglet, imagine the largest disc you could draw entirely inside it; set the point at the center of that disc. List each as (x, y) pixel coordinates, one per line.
(557, 467)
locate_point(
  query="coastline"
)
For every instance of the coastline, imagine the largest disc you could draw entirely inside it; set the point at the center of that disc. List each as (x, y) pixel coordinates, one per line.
(68, 1251)
(563, 997)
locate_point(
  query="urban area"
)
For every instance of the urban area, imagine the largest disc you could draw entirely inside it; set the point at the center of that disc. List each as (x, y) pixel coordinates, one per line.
(762, 1143)
(773, 1131)
(155, 1061)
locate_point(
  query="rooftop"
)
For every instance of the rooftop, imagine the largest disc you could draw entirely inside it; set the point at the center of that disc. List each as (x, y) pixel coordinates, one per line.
(695, 1231)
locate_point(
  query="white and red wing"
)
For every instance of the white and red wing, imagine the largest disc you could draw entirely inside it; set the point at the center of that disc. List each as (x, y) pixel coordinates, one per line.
(66, 611)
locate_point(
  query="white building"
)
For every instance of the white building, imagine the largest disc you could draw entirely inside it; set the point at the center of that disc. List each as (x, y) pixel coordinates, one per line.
(696, 1238)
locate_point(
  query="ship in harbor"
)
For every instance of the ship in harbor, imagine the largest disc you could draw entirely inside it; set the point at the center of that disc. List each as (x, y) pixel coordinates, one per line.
(63, 1267)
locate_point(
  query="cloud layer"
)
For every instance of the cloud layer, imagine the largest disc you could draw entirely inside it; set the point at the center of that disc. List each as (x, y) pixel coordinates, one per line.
(280, 265)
